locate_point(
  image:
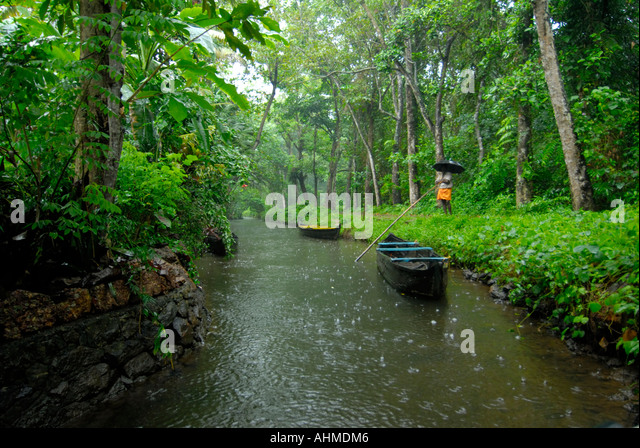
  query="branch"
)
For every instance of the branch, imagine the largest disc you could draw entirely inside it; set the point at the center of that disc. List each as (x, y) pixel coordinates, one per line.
(274, 83)
(374, 22)
(382, 95)
(15, 153)
(418, 96)
(364, 140)
(350, 72)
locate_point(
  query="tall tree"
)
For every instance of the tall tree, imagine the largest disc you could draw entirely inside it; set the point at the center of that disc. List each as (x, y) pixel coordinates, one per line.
(476, 122)
(398, 98)
(335, 134)
(365, 142)
(98, 121)
(579, 182)
(410, 72)
(445, 21)
(407, 103)
(523, 184)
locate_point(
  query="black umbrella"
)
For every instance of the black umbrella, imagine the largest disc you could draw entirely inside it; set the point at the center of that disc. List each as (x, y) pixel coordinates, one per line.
(448, 166)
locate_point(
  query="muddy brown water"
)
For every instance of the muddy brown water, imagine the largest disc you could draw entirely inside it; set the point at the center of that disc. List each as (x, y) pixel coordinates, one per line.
(303, 336)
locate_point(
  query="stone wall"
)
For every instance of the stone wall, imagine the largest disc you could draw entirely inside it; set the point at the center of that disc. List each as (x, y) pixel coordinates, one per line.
(62, 355)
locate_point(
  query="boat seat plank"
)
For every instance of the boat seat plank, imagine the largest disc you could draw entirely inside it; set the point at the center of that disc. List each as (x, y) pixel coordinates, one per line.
(404, 243)
(401, 249)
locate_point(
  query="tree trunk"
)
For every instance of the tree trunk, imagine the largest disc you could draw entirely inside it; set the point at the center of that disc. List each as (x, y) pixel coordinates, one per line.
(349, 176)
(523, 185)
(98, 122)
(439, 118)
(370, 133)
(299, 173)
(367, 178)
(579, 182)
(370, 159)
(476, 121)
(300, 178)
(414, 188)
(335, 146)
(396, 195)
(315, 173)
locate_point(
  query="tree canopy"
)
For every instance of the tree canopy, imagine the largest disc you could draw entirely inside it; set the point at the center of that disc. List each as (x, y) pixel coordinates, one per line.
(125, 124)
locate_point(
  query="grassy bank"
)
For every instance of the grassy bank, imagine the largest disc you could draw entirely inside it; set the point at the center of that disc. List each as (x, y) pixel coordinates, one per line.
(580, 268)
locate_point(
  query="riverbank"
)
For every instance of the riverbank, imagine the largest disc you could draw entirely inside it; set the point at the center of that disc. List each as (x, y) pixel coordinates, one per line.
(577, 270)
(70, 349)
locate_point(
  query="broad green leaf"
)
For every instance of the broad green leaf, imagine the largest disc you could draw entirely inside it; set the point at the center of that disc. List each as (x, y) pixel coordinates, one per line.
(270, 24)
(147, 94)
(62, 53)
(202, 39)
(236, 44)
(176, 51)
(277, 37)
(200, 101)
(208, 23)
(250, 32)
(580, 319)
(189, 160)
(164, 220)
(192, 14)
(244, 10)
(594, 307)
(43, 9)
(178, 110)
(37, 28)
(230, 91)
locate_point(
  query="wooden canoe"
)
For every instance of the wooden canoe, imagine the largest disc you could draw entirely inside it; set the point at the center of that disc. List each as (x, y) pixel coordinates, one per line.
(322, 232)
(411, 268)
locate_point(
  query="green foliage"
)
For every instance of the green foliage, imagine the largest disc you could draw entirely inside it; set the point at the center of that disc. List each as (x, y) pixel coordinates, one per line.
(490, 183)
(607, 123)
(250, 202)
(180, 162)
(149, 194)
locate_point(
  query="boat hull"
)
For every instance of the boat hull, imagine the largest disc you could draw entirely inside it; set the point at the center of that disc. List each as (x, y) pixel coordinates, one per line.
(325, 233)
(424, 274)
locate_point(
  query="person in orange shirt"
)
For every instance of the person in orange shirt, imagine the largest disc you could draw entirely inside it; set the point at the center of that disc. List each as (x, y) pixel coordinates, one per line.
(444, 183)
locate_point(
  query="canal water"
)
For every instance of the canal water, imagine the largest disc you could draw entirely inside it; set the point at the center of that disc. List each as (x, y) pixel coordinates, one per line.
(303, 336)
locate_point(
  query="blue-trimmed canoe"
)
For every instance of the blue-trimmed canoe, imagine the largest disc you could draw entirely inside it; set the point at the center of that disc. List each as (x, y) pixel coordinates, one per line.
(411, 268)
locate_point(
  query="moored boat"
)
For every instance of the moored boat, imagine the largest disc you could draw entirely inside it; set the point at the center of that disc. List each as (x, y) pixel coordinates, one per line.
(411, 268)
(322, 232)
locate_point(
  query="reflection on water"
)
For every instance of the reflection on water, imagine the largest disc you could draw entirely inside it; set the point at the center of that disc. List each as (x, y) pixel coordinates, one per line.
(305, 337)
